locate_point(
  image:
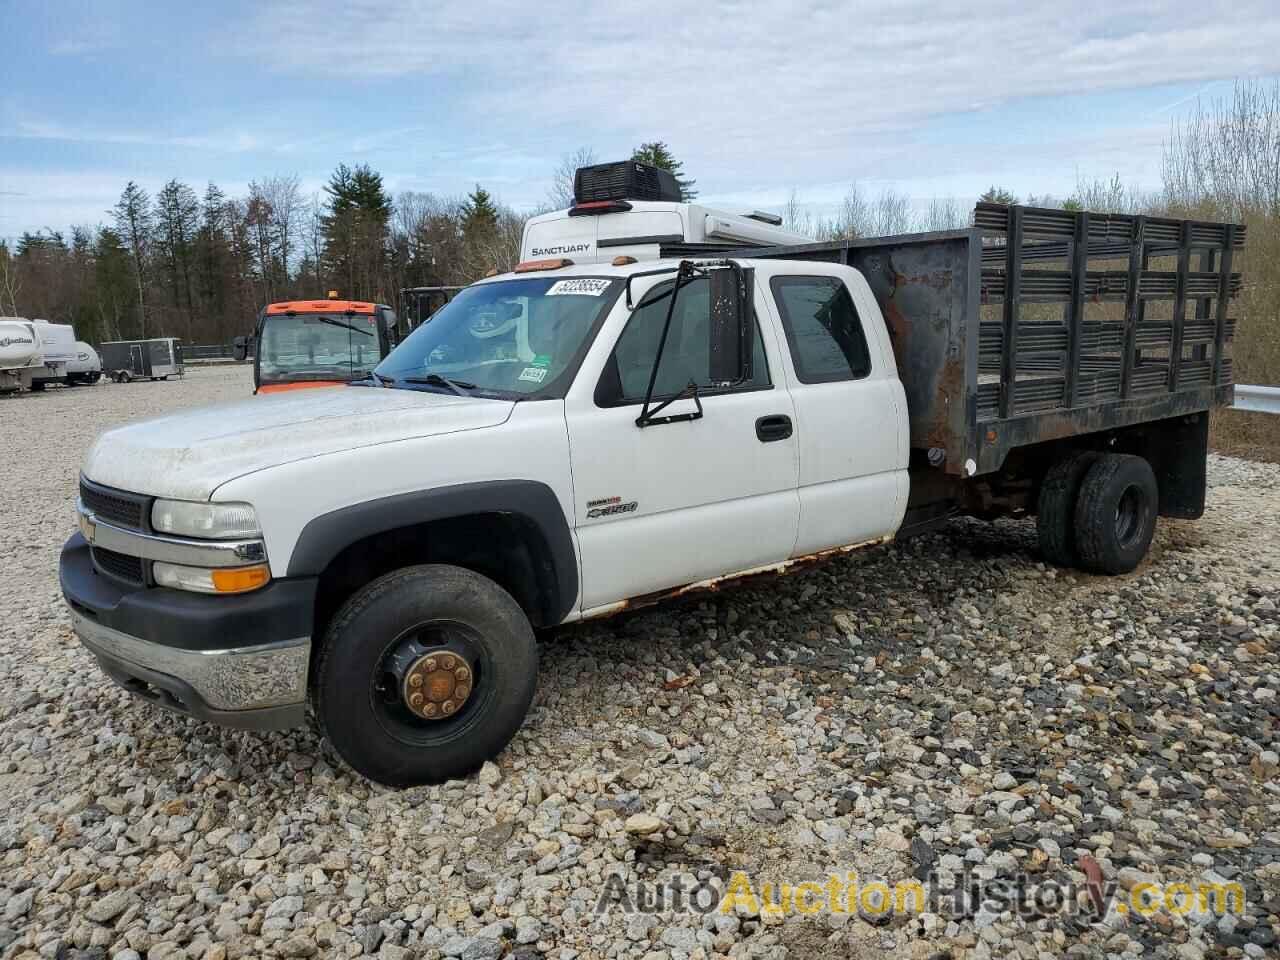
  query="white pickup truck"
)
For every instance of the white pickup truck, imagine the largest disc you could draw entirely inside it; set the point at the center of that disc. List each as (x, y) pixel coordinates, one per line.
(570, 440)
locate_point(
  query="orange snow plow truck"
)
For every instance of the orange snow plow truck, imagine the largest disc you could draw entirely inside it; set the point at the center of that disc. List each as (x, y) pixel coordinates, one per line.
(316, 343)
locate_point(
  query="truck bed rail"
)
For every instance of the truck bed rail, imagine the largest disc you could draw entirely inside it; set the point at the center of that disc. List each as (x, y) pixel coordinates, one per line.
(1039, 324)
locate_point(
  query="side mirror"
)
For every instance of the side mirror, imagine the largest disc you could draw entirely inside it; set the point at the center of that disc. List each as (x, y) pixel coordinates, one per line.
(240, 348)
(389, 319)
(732, 326)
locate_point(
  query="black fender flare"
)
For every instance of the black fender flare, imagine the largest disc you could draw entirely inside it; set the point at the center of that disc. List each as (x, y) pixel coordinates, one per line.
(532, 502)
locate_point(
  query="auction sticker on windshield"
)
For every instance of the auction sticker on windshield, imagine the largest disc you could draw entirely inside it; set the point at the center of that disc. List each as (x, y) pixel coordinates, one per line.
(534, 374)
(586, 287)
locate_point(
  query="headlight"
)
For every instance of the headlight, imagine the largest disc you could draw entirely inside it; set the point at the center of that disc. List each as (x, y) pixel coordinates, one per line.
(217, 580)
(213, 521)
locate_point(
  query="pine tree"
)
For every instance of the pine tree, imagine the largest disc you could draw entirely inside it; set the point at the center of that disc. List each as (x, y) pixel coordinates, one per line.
(177, 213)
(133, 226)
(479, 214)
(998, 195)
(658, 154)
(355, 229)
(113, 282)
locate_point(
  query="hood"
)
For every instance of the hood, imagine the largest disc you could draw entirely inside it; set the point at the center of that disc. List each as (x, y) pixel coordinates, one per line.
(187, 455)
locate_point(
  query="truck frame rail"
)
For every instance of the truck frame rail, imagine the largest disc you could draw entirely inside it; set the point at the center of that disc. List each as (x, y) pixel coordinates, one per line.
(1039, 324)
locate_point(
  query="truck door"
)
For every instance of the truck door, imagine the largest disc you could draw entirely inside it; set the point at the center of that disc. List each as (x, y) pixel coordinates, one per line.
(850, 407)
(138, 361)
(672, 504)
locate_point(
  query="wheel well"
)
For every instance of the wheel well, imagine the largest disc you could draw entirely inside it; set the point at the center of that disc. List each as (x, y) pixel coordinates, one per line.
(1175, 447)
(504, 547)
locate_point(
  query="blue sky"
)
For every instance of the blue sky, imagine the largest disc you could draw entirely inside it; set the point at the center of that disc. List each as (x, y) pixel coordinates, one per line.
(933, 99)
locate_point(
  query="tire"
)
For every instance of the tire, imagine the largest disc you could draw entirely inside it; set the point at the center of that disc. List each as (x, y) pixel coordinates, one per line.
(357, 697)
(37, 386)
(125, 377)
(1056, 510)
(1116, 513)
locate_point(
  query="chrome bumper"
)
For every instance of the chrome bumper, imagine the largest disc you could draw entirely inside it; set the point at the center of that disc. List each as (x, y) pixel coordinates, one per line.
(263, 686)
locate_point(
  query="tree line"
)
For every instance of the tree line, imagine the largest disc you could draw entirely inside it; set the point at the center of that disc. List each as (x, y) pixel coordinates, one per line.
(199, 265)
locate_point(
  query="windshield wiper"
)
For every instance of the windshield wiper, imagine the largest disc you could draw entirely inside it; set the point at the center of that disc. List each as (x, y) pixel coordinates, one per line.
(344, 325)
(460, 387)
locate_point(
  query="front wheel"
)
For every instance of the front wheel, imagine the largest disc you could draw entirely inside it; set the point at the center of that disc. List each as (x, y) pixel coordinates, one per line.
(424, 674)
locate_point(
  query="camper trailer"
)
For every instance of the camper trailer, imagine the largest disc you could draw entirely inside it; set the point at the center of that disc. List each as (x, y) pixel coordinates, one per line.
(86, 367)
(19, 353)
(57, 349)
(158, 359)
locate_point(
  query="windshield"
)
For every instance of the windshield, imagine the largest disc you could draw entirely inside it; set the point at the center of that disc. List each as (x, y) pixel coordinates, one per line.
(512, 336)
(317, 346)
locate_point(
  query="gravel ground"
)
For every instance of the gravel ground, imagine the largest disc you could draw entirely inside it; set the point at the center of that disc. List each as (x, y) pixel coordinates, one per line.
(947, 705)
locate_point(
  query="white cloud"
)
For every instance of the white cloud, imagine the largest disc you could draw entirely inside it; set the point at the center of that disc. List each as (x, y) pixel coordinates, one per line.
(756, 98)
(767, 93)
(235, 141)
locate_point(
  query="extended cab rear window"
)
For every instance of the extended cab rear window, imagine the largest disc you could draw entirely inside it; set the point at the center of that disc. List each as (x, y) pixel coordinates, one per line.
(822, 327)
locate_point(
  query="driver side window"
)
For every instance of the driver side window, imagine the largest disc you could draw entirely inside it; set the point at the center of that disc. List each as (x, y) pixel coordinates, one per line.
(686, 357)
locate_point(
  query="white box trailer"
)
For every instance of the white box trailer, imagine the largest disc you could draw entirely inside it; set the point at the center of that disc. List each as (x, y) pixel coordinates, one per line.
(156, 359)
(19, 353)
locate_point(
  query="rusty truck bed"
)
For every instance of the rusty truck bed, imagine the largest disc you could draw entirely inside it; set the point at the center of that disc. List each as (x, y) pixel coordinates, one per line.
(1040, 324)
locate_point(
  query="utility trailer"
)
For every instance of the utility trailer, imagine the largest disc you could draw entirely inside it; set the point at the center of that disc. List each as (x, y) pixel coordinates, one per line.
(1037, 328)
(155, 359)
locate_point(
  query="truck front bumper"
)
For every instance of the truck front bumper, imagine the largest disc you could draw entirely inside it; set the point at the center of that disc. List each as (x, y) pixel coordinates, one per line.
(239, 661)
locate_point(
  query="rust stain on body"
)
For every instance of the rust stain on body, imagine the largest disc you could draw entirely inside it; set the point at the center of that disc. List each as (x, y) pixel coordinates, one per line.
(716, 584)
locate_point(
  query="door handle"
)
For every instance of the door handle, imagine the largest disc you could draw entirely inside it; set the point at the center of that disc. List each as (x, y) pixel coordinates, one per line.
(771, 428)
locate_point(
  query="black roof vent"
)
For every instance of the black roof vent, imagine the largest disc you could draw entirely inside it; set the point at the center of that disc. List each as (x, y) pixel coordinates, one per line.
(625, 180)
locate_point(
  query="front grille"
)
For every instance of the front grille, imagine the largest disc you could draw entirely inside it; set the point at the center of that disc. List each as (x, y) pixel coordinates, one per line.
(116, 507)
(121, 566)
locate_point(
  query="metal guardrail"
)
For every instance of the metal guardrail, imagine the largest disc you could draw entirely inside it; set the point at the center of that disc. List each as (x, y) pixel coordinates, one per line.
(1257, 399)
(206, 351)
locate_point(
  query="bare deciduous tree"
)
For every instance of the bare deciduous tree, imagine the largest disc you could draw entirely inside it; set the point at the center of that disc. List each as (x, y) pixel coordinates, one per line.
(560, 194)
(795, 217)
(10, 282)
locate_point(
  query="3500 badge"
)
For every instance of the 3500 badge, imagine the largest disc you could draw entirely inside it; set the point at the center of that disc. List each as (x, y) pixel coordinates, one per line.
(608, 506)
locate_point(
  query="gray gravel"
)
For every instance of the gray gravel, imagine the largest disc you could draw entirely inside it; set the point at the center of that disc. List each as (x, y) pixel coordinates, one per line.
(948, 704)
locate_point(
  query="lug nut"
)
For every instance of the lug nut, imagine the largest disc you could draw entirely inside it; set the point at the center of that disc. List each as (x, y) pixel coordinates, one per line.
(462, 673)
(429, 665)
(462, 691)
(429, 709)
(415, 700)
(446, 662)
(447, 707)
(415, 680)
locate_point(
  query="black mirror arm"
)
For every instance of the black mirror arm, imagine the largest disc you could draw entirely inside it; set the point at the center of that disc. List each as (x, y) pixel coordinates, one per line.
(650, 273)
(649, 417)
(648, 412)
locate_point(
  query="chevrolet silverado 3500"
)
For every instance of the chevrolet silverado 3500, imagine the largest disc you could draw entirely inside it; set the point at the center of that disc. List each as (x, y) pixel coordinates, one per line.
(568, 441)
